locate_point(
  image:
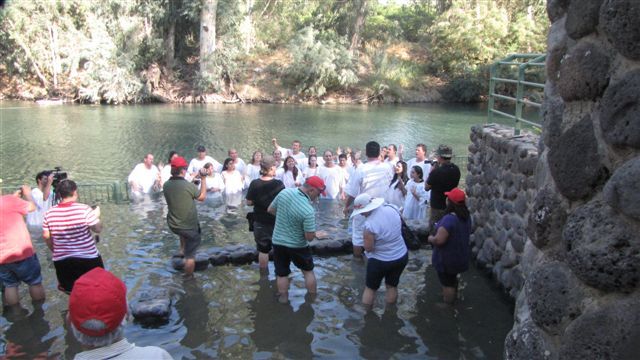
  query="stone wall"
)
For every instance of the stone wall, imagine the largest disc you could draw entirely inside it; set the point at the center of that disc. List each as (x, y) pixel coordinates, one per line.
(581, 269)
(501, 187)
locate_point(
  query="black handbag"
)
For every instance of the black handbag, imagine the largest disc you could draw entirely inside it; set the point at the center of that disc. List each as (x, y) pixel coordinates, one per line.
(410, 238)
(250, 219)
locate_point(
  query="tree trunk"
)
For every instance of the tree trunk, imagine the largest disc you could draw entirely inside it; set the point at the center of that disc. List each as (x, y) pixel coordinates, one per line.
(55, 59)
(358, 24)
(24, 47)
(207, 34)
(170, 44)
(247, 29)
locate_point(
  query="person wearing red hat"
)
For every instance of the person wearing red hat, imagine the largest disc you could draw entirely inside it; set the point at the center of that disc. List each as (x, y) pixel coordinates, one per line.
(97, 314)
(295, 226)
(451, 249)
(182, 217)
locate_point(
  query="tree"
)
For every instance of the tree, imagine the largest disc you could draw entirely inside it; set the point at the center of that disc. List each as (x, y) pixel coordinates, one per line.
(361, 6)
(207, 36)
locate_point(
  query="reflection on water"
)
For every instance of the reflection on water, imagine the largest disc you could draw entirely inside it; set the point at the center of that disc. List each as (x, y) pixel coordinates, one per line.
(230, 311)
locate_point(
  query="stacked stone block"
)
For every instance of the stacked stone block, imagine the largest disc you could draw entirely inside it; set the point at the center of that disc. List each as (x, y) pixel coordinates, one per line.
(581, 296)
(501, 187)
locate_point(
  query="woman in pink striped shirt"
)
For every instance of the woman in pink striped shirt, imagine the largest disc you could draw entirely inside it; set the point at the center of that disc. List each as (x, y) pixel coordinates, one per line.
(67, 231)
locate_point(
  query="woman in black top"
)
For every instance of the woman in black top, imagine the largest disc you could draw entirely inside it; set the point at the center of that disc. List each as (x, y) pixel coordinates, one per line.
(261, 193)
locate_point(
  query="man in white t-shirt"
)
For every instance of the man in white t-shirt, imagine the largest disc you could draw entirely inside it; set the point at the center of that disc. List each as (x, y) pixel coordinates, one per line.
(43, 198)
(373, 178)
(421, 160)
(145, 177)
(240, 165)
(333, 178)
(294, 152)
(198, 162)
(393, 155)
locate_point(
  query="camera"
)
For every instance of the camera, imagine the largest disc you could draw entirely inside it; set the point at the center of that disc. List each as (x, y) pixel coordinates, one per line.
(58, 175)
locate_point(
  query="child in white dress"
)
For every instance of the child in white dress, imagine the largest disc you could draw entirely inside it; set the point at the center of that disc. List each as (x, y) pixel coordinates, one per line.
(415, 204)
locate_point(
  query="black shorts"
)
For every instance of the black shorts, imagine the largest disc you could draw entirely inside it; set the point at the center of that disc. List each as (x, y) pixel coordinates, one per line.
(70, 269)
(283, 256)
(389, 270)
(192, 240)
(262, 234)
(448, 280)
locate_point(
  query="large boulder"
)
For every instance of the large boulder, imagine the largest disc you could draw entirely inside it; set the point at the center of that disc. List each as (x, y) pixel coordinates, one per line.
(150, 306)
(620, 111)
(556, 9)
(603, 247)
(584, 72)
(526, 341)
(622, 191)
(575, 163)
(611, 331)
(582, 18)
(548, 215)
(619, 20)
(554, 296)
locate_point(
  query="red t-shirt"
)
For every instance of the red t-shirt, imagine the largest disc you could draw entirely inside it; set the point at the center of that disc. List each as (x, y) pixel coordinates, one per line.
(15, 241)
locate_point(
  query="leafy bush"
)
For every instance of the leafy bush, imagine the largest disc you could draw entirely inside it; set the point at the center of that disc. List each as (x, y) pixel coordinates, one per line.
(320, 63)
(469, 86)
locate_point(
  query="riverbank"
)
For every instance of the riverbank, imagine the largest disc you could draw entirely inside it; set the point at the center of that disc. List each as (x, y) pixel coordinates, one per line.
(266, 90)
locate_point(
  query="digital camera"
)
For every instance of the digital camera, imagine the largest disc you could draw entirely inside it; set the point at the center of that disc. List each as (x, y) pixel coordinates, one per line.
(58, 175)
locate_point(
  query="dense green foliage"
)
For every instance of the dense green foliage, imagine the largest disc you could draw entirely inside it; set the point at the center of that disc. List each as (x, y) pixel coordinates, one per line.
(111, 51)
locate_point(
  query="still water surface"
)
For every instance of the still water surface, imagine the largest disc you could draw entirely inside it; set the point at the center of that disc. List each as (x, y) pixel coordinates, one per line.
(230, 311)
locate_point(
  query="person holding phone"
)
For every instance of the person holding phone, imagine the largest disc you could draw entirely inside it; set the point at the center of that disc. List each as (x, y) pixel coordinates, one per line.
(67, 230)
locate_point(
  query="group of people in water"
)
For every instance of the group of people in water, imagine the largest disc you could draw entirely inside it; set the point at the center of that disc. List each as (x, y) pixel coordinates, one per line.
(378, 192)
(419, 189)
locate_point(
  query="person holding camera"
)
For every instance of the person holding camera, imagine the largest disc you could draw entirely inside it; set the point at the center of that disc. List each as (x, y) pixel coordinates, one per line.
(182, 217)
(42, 196)
(67, 230)
(443, 178)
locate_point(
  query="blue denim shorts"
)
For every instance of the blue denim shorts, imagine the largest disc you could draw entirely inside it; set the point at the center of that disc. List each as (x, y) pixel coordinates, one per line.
(27, 270)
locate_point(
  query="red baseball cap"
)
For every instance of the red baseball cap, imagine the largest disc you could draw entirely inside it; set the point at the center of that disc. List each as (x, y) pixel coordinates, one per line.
(317, 183)
(456, 195)
(98, 295)
(179, 162)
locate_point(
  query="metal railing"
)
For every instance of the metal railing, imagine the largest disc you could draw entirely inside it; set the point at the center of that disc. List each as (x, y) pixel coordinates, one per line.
(524, 62)
(92, 193)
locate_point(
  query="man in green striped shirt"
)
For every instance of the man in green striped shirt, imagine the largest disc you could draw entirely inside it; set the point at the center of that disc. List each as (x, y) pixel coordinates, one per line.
(295, 227)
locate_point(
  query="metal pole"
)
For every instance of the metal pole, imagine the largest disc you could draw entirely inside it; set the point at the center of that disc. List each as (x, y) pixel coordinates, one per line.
(519, 96)
(492, 89)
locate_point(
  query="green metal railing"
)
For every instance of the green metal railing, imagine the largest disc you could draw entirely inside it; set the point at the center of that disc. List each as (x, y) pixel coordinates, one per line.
(92, 193)
(524, 62)
(116, 192)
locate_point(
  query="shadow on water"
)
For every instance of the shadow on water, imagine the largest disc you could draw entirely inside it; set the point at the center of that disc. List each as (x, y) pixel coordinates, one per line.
(279, 329)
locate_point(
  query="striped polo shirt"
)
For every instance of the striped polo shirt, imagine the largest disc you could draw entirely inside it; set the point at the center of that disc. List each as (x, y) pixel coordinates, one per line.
(68, 224)
(294, 217)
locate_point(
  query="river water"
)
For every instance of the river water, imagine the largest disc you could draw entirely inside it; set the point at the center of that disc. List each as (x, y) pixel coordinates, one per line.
(230, 311)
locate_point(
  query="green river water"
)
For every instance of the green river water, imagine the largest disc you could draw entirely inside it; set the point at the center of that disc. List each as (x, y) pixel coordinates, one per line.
(230, 311)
